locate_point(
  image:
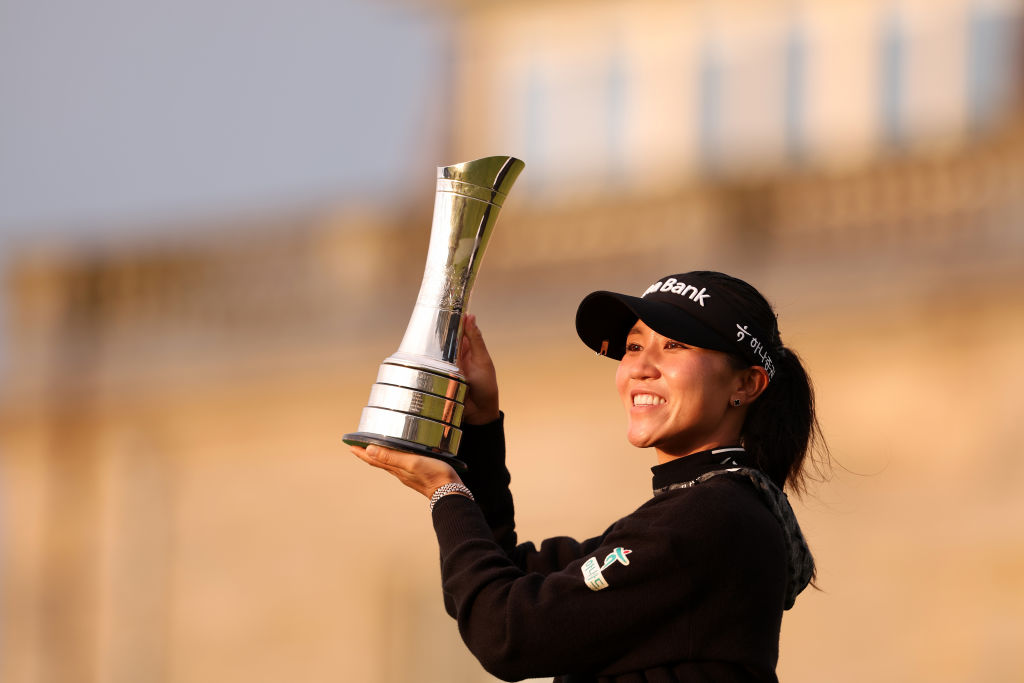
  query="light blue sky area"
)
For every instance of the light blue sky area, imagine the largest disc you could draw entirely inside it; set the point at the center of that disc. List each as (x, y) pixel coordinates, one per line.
(128, 115)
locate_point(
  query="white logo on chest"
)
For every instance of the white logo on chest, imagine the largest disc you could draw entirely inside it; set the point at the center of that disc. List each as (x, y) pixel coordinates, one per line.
(592, 572)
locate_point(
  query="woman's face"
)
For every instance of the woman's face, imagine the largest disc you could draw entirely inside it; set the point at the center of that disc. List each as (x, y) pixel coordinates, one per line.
(677, 396)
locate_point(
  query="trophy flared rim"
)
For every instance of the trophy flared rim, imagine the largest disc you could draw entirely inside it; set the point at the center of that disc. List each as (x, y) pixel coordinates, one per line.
(494, 173)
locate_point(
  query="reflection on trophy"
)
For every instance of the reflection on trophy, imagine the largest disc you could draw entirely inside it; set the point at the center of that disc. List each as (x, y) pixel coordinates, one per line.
(416, 403)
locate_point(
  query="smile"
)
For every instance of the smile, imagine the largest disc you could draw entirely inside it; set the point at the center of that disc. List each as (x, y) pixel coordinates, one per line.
(648, 400)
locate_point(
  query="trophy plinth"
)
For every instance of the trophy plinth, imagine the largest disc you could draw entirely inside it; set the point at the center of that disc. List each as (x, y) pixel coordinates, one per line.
(417, 401)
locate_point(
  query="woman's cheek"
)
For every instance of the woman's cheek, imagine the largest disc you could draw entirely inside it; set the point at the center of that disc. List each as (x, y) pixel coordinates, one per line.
(621, 381)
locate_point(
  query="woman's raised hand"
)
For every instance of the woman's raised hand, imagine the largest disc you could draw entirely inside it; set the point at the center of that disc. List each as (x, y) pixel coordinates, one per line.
(475, 363)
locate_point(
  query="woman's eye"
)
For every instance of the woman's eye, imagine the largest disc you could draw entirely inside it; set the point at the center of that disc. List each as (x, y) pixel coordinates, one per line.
(633, 346)
(675, 345)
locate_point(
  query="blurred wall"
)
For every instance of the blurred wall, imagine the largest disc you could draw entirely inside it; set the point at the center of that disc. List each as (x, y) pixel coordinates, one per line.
(177, 504)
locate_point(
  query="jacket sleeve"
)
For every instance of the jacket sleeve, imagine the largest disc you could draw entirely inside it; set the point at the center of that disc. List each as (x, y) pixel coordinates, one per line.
(523, 624)
(483, 451)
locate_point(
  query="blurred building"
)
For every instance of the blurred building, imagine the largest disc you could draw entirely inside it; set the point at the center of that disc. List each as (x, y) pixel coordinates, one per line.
(643, 96)
(176, 501)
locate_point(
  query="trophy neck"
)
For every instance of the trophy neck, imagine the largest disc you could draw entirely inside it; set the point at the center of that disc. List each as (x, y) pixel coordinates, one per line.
(433, 335)
(467, 201)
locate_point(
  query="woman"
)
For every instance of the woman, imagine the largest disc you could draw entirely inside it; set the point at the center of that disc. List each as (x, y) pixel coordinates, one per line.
(690, 586)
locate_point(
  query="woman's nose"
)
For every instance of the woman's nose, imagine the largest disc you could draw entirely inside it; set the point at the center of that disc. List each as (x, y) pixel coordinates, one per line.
(643, 365)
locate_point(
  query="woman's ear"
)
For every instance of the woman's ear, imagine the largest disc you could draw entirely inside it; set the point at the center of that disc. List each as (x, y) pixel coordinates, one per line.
(753, 382)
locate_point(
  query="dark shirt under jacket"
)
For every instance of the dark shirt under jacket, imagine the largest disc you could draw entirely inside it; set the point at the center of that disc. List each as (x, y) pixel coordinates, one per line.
(694, 580)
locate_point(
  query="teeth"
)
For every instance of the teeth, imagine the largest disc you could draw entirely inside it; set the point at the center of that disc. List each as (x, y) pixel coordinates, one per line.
(647, 400)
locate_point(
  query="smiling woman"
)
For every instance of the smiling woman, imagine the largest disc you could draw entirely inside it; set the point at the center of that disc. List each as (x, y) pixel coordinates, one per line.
(681, 399)
(690, 586)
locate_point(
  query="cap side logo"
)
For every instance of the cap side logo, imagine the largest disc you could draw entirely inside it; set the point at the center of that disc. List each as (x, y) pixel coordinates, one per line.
(681, 288)
(757, 347)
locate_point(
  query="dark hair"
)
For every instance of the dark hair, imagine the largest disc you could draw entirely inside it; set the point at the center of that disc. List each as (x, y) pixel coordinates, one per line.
(781, 427)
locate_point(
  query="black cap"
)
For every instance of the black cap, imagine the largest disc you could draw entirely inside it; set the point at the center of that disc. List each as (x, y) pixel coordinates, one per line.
(691, 308)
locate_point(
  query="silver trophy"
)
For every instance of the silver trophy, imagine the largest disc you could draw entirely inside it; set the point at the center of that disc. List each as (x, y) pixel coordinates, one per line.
(416, 404)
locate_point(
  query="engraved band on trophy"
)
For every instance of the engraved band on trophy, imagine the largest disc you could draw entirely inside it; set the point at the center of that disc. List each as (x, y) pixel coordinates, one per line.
(416, 403)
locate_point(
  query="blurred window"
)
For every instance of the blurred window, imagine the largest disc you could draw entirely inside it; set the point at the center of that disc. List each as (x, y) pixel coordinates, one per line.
(893, 80)
(536, 143)
(795, 96)
(991, 59)
(618, 91)
(709, 101)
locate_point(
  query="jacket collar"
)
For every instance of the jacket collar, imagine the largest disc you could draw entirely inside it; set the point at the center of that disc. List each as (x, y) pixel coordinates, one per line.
(692, 466)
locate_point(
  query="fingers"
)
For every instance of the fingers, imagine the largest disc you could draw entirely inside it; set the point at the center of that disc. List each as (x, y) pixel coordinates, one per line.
(418, 472)
(471, 328)
(473, 335)
(361, 453)
(473, 354)
(384, 458)
(481, 405)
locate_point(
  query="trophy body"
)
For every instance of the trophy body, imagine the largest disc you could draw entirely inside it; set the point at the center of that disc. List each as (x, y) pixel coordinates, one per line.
(416, 403)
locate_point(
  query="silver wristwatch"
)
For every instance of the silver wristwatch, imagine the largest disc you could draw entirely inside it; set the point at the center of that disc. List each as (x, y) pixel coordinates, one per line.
(448, 489)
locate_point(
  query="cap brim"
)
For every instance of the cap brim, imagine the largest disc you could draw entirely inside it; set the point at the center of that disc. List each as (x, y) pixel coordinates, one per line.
(604, 319)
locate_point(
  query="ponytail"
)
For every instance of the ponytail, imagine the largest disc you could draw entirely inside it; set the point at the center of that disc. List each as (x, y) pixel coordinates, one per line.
(781, 425)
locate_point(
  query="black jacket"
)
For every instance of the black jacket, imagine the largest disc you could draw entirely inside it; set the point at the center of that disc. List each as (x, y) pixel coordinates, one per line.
(689, 587)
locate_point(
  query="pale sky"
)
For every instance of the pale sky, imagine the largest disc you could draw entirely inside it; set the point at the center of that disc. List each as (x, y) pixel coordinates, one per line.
(134, 113)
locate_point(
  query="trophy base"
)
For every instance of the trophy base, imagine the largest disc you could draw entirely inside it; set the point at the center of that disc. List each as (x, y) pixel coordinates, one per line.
(364, 439)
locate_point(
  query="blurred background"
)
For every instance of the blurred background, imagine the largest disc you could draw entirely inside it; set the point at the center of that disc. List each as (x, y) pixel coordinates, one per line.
(213, 225)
